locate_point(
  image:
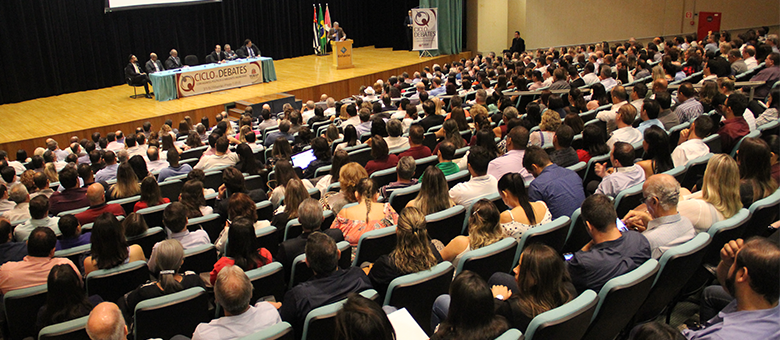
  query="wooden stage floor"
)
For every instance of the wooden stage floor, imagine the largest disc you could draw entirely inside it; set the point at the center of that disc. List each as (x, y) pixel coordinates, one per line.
(26, 125)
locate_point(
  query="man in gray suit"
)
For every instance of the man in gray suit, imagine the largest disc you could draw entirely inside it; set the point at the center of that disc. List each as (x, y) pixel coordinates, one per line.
(154, 65)
(173, 61)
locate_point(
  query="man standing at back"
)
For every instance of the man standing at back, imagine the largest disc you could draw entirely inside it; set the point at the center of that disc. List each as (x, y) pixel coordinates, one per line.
(610, 253)
(558, 187)
(329, 284)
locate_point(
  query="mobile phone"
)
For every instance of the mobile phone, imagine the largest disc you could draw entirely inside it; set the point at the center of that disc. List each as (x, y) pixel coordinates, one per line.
(568, 256)
(621, 226)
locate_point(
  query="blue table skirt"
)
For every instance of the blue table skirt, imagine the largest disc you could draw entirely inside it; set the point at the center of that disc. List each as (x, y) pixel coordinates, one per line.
(164, 83)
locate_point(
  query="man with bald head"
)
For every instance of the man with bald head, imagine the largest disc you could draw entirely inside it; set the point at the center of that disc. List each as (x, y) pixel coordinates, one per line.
(662, 225)
(106, 323)
(96, 195)
(232, 291)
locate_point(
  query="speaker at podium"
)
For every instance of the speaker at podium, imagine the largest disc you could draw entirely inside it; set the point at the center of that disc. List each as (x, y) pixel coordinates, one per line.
(342, 54)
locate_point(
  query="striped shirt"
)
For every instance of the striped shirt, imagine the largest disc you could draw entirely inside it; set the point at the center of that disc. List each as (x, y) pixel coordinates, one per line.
(689, 110)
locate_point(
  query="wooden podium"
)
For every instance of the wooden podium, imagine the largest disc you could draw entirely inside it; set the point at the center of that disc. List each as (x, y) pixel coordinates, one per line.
(342, 54)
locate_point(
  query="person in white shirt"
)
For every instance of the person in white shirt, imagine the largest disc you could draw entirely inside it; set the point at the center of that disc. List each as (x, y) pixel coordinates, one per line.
(175, 221)
(331, 110)
(749, 55)
(39, 217)
(638, 96)
(19, 195)
(354, 119)
(308, 111)
(232, 291)
(691, 145)
(623, 174)
(220, 158)
(590, 77)
(153, 161)
(480, 185)
(625, 131)
(395, 131)
(619, 97)
(605, 78)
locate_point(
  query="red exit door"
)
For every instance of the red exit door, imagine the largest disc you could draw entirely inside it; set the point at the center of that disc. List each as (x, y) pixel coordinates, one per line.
(708, 21)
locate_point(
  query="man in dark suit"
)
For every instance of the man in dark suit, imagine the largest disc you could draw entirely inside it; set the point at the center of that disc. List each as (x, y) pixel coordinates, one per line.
(310, 217)
(249, 50)
(336, 33)
(173, 61)
(135, 76)
(154, 65)
(518, 44)
(408, 27)
(218, 56)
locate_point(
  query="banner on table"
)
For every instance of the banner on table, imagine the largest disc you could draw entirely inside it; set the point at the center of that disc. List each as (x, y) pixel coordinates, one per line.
(219, 78)
(425, 29)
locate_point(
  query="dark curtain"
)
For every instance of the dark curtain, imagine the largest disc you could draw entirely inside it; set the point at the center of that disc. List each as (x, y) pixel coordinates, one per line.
(51, 47)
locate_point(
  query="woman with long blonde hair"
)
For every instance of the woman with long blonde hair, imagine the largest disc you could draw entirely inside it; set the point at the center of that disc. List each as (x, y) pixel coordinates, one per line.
(434, 193)
(413, 251)
(50, 170)
(484, 230)
(719, 198)
(126, 183)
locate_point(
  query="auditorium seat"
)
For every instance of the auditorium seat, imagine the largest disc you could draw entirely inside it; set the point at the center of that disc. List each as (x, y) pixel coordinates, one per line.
(628, 199)
(111, 284)
(265, 210)
(148, 239)
(266, 238)
(322, 320)
(552, 234)
(279, 331)
(400, 197)
(417, 291)
(267, 280)
(75, 254)
(127, 203)
(694, 170)
(135, 86)
(384, 177)
(674, 134)
(21, 308)
(568, 321)
(191, 60)
(200, 259)
(762, 213)
(458, 177)
(752, 134)
(171, 189)
(423, 163)
(578, 235)
(374, 244)
(300, 272)
(75, 329)
(445, 225)
(488, 260)
(153, 215)
(172, 314)
(713, 142)
(511, 334)
(213, 224)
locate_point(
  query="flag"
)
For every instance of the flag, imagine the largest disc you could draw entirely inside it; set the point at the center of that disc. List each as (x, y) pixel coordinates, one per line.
(323, 32)
(326, 24)
(316, 28)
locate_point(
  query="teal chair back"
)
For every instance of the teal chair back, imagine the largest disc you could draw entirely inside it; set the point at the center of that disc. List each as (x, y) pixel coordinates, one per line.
(321, 321)
(423, 163)
(458, 177)
(199, 259)
(75, 329)
(384, 177)
(172, 314)
(153, 215)
(374, 244)
(74, 254)
(171, 189)
(266, 238)
(578, 235)
(677, 172)
(628, 199)
(213, 224)
(279, 331)
(488, 260)
(267, 280)
(400, 197)
(111, 284)
(265, 210)
(579, 168)
(568, 321)
(590, 171)
(300, 272)
(445, 225)
(148, 239)
(676, 266)
(724, 231)
(762, 213)
(21, 308)
(417, 291)
(552, 234)
(752, 134)
(694, 170)
(511, 334)
(619, 300)
(127, 203)
(714, 143)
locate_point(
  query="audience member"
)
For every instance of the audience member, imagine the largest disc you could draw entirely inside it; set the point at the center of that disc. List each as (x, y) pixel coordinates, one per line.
(310, 217)
(625, 131)
(734, 126)
(233, 292)
(127, 183)
(667, 116)
(756, 181)
(404, 172)
(233, 182)
(468, 292)
(150, 194)
(688, 108)
(484, 230)
(242, 251)
(382, 158)
(175, 221)
(73, 197)
(10, 250)
(105, 322)
(719, 196)
(109, 246)
(559, 188)
(361, 318)
(34, 269)
(39, 217)
(480, 185)
(619, 99)
(623, 174)
(563, 155)
(21, 211)
(97, 205)
(109, 171)
(65, 299)
(515, 196)
(691, 144)
(349, 176)
(512, 160)
(71, 233)
(367, 215)
(593, 143)
(434, 195)
(416, 148)
(220, 158)
(657, 153)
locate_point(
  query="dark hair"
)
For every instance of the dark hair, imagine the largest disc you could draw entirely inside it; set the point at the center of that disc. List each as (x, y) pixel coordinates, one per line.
(321, 149)
(66, 299)
(340, 158)
(68, 225)
(284, 172)
(192, 198)
(134, 225)
(737, 102)
(321, 253)
(593, 140)
(479, 158)
(281, 148)
(652, 108)
(175, 217)
(249, 163)
(109, 246)
(703, 126)
(361, 318)
(41, 242)
(241, 244)
(519, 136)
(515, 185)
(241, 205)
(564, 134)
(379, 149)
(599, 211)
(350, 135)
(69, 177)
(470, 293)
(753, 158)
(655, 331)
(658, 149)
(664, 99)
(761, 257)
(39, 207)
(5, 226)
(599, 94)
(150, 192)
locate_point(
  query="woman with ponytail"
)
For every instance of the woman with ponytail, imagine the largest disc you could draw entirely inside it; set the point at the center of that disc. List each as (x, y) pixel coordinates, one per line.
(413, 251)
(170, 257)
(367, 215)
(523, 214)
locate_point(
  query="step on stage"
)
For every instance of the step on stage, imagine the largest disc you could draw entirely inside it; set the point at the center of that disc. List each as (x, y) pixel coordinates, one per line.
(27, 125)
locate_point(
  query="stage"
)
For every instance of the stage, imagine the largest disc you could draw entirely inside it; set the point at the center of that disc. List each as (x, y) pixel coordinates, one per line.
(28, 124)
